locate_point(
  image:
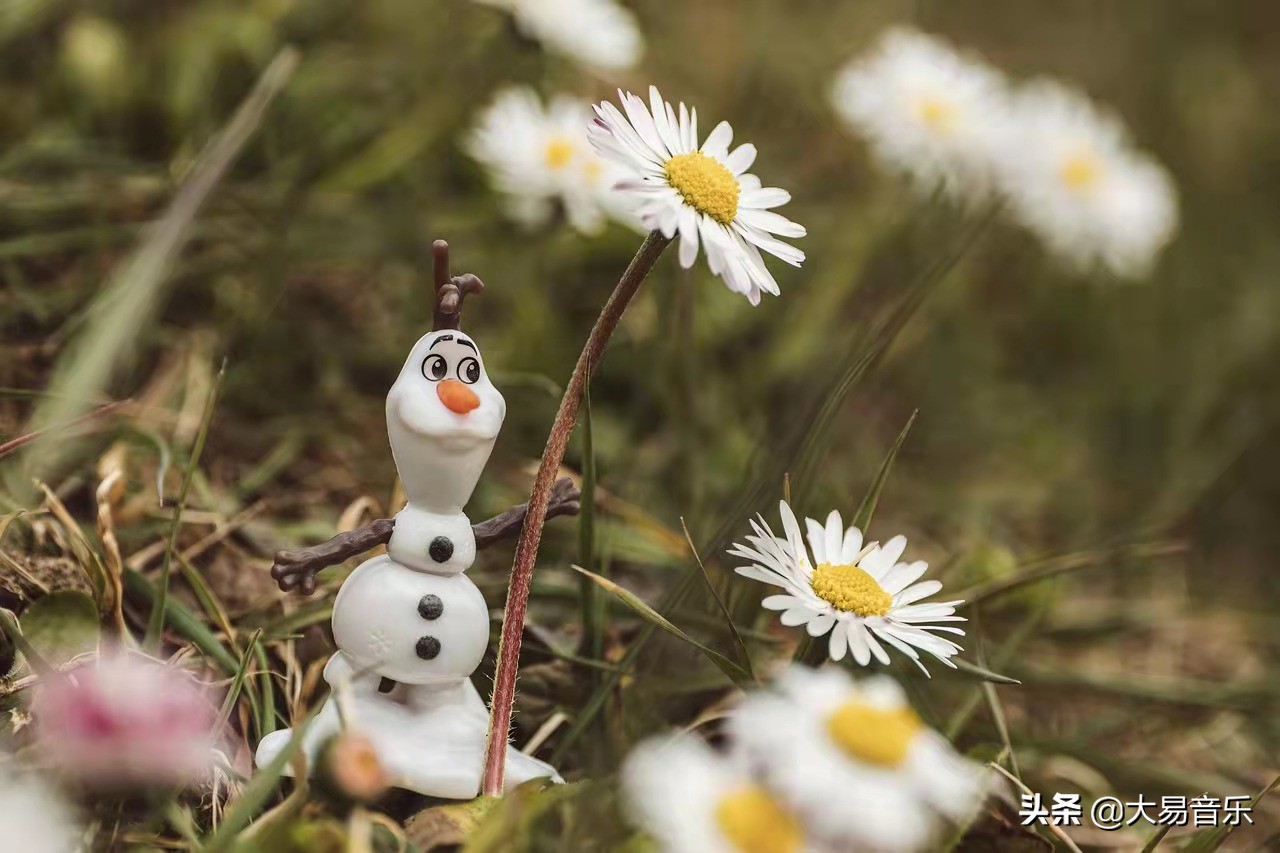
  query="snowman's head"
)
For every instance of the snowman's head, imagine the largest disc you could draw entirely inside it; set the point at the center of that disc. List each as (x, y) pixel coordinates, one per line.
(444, 394)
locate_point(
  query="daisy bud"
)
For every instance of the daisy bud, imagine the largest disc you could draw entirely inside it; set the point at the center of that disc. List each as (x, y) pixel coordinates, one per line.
(348, 769)
(124, 722)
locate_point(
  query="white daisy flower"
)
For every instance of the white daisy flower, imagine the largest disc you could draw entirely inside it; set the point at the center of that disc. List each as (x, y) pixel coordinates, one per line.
(33, 818)
(1073, 179)
(701, 193)
(693, 800)
(595, 32)
(927, 111)
(540, 159)
(859, 594)
(855, 761)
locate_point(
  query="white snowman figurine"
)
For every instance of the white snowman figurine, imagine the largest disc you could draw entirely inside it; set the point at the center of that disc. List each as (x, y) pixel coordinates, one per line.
(410, 626)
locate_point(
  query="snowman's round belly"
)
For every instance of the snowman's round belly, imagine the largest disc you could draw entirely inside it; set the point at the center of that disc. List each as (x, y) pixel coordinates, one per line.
(410, 626)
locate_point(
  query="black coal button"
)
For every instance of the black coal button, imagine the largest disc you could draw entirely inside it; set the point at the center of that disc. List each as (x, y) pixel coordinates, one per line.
(430, 607)
(427, 648)
(441, 549)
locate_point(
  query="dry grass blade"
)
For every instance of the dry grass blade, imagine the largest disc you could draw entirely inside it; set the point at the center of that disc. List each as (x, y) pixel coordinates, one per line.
(21, 441)
(1053, 827)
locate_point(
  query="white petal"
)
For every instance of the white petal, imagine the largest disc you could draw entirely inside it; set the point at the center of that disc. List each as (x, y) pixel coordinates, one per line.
(717, 144)
(877, 649)
(852, 545)
(893, 548)
(838, 642)
(835, 533)
(688, 236)
(903, 575)
(773, 223)
(757, 573)
(741, 158)
(924, 589)
(763, 198)
(795, 616)
(791, 527)
(779, 602)
(817, 541)
(858, 643)
(820, 624)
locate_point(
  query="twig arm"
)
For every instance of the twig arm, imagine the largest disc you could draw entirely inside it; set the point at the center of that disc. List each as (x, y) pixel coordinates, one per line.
(297, 568)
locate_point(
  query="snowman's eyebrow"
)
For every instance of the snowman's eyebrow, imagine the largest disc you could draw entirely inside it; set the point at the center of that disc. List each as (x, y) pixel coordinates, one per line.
(441, 340)
(467, 343)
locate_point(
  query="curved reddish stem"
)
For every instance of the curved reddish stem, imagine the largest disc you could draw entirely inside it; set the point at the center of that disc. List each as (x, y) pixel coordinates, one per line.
(504, 681)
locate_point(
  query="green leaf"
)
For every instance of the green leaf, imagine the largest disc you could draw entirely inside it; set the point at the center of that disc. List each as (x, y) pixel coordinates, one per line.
(515, 815)
(735, 673)
(449, 825)
(62, 625)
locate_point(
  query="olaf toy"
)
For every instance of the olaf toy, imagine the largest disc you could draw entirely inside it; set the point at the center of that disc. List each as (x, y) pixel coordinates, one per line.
(410, 626)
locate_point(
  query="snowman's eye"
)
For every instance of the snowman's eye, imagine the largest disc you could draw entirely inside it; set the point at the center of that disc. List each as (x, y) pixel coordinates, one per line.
(434, 367)
(469, 371)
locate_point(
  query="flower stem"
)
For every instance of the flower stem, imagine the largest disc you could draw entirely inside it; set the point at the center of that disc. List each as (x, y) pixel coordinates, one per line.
(504, 681)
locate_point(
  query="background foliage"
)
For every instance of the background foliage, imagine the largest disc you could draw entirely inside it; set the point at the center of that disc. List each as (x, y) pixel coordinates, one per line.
(1058, 414)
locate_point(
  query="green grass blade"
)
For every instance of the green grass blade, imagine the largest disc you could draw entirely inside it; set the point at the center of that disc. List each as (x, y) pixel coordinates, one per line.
(744, 657)
(592, 616)
(259, 791)
(183, 621)
(982, 672)
(862, 518)
(1065, 564)
(237, 684)
(155, 626)
(735, 673)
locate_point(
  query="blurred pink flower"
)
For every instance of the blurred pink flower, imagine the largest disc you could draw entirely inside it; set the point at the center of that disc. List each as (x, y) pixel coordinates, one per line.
(125, 721)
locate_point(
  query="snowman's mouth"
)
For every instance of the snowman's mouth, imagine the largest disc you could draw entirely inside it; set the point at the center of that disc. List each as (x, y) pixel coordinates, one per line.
(448, 427)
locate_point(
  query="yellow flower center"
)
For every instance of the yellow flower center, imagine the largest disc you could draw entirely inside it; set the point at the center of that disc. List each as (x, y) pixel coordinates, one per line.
(755, 823)
(707, 186)
(938, 114)
(851, 589)
(873, 735)
(593, 170)
(558, 153)
(1081, 171)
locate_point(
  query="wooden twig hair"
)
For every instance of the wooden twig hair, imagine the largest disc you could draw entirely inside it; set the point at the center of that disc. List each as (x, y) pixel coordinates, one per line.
(450, 291)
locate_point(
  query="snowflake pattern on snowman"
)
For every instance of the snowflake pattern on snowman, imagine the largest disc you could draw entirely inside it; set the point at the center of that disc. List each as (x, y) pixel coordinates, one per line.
(409, 625)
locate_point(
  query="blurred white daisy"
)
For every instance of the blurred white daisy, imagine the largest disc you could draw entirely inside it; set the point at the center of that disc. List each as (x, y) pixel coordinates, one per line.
(33, 818)
(595, 32)
(700, 193)
(858, 594)
(926, 110)
(540, 159)
(693, 800)
(1073, 179)
(855, 761)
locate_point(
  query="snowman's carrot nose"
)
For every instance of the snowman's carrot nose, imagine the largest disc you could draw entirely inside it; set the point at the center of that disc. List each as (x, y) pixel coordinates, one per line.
(457, 397)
